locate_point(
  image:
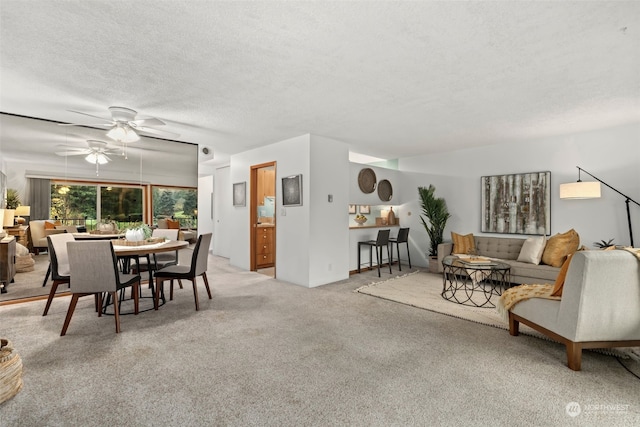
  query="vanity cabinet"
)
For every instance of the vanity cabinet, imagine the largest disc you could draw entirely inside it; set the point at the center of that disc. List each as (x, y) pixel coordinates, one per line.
(265, 251)
(7, 261)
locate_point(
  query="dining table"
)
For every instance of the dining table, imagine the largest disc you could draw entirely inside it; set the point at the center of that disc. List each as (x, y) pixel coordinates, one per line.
(127, 251)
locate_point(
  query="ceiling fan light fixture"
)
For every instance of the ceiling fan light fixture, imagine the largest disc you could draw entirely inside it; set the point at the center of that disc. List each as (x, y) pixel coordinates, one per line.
(123, 133)
(98, 158)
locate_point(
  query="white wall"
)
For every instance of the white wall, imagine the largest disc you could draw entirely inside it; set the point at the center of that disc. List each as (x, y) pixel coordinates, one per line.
(613, 155)
(205, 207)
(292, 228)
(329, 223)
(223, 210)
(312, 239)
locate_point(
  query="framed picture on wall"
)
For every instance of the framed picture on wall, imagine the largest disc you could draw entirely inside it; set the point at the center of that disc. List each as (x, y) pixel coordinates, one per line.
(352, 209)
(292, 190)
(240, 194)
(517, 203)
(365, 209)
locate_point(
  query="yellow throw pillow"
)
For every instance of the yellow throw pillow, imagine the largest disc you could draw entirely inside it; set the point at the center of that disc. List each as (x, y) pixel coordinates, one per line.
(557, 287)
(558, 247)
(463, 244)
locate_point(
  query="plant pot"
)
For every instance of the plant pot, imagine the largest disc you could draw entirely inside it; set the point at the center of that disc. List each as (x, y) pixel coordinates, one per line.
(433, 264)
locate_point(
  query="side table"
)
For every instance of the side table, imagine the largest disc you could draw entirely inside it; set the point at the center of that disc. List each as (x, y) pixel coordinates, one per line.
(473, 284)
(20, 233)
(7, 262)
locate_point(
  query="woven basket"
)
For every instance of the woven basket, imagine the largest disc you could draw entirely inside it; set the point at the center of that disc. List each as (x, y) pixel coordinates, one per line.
(10, 371)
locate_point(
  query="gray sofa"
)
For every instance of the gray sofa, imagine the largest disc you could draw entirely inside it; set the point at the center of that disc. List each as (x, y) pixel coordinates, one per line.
(506, 249)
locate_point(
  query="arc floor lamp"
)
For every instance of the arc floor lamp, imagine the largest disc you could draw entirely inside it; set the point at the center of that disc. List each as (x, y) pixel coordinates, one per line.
(591, 190)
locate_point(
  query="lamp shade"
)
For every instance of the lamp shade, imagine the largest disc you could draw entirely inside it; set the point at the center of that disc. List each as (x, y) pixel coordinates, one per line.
(9, 214)
(580, 190)
(23, 210)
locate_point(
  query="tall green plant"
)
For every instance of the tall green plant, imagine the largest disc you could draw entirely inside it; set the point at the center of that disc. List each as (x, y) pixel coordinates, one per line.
(13, 199)
(434, 209)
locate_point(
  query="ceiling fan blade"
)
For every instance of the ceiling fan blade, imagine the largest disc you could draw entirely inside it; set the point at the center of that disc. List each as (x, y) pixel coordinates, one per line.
(157, 132)
(91, 115)
(73, 153)
(151, 121)
(86, 124)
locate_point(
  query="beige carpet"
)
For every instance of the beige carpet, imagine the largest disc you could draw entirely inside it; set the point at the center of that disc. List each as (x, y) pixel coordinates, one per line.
(422, 290)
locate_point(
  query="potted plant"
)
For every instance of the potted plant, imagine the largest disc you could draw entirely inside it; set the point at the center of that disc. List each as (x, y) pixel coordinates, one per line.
(434, 210)
(138, 232)
(12, 203)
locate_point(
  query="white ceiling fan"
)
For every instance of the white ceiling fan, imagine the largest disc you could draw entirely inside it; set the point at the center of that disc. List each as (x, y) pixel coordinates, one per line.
(96, 152)
(124, 126)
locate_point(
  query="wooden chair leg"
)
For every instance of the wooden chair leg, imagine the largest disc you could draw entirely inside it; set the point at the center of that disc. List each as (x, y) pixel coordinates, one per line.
(99, 303)
(46, 276)
(116, 313)
(195, 293)
(514, 326)
(574, 355)
(136, 297)
(52, 293)
(156, 297)
(206, 284)
(72, 307)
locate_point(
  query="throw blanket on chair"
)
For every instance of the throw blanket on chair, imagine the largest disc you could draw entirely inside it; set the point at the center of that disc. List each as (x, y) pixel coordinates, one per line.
(514, 295)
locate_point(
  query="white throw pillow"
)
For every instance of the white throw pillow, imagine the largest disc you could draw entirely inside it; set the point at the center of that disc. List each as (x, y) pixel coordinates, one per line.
(532, 250)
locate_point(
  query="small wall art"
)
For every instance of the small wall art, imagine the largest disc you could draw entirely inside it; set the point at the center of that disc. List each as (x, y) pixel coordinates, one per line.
(352, 209)
(365, 209)
(240, 194)
(517, 203)
(292, 190)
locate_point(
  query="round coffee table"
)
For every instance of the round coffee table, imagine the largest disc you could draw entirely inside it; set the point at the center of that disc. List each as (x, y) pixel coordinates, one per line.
(473, 284)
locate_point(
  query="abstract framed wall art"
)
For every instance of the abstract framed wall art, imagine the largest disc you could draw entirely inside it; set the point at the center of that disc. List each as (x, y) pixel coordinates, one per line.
(292, 190)
(240, 194)
(517, 203)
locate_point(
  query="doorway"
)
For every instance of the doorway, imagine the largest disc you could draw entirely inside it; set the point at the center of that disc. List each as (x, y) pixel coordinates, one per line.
(263, 218)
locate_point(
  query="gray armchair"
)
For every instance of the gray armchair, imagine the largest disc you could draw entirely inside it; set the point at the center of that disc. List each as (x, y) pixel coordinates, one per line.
(94, 270)
(197, 267)
(59, 263)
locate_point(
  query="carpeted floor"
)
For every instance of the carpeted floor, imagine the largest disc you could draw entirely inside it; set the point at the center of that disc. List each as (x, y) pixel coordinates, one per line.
(423, 290)
(268, 353)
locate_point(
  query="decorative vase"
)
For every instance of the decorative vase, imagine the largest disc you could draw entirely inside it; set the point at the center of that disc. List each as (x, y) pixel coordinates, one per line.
(391, 217)
(136, 235)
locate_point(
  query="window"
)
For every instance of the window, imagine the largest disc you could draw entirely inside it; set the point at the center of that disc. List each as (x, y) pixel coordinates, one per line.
(176, 202)
(77, 204)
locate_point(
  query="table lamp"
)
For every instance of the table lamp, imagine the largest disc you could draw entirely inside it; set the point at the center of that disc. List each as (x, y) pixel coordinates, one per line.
(8, 217)
(22, 211)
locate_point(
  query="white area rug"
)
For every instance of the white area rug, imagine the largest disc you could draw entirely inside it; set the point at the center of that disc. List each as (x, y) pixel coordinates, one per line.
(422, 290)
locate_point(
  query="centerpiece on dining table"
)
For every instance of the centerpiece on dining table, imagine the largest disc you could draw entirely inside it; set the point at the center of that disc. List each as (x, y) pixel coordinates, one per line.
(137, 235)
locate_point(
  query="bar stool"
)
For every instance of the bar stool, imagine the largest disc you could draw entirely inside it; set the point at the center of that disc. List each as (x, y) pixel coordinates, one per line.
(402, 237)
(381, 240)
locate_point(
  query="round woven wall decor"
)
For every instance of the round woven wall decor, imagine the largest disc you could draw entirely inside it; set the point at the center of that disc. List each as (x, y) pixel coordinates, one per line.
(367, 180)
(385, 190)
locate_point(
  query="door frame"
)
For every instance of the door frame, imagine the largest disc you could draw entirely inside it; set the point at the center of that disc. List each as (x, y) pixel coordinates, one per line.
(253, 212)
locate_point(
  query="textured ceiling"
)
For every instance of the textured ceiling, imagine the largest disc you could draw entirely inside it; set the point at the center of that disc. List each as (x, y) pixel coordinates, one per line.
(391, 79)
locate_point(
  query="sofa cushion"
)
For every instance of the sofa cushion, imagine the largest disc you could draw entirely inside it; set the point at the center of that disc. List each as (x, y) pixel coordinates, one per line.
(559, 246)
(557, 286)
(532, 250)
(505, 248)
(463, 244)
